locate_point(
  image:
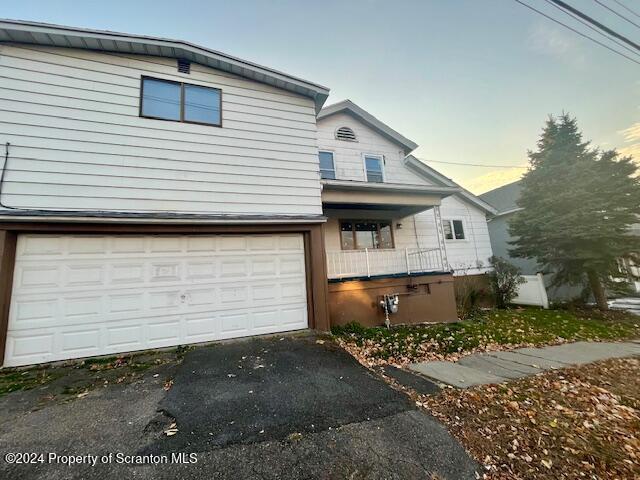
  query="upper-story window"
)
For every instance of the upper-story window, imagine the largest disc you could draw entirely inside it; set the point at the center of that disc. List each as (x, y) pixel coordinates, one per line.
(373, 165)
(180, 102)
(346, 133)
(327, 166)
(453, 229)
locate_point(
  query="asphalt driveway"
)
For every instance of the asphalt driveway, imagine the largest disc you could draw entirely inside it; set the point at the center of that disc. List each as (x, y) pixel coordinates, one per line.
(267, 408)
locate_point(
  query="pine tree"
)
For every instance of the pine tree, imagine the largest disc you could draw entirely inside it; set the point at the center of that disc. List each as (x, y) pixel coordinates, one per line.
(578, 204)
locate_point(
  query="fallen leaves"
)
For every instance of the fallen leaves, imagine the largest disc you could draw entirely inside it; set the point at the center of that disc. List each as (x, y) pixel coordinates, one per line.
(172, 430)
(575, 423)
(495, 330)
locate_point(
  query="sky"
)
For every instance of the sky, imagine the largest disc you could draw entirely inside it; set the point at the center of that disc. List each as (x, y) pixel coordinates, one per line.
(470, 81)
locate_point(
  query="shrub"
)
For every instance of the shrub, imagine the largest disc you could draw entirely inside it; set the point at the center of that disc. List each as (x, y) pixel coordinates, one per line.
(505, 279)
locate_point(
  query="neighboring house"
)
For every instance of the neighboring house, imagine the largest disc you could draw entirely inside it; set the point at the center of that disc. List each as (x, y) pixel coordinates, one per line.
(378, 197)
(155, 193)
(504, 200)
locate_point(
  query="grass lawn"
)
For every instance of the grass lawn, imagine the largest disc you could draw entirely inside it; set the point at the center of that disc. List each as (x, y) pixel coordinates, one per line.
(491, 330)
(574, 423)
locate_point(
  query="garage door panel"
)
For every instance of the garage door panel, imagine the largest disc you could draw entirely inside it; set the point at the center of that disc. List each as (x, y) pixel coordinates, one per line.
(128, 245)
(80, 342)
(121, 337)
(25, 349)
(122, 293)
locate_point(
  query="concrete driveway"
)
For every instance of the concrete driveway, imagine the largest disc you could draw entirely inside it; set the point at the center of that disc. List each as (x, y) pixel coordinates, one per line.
(267, 408)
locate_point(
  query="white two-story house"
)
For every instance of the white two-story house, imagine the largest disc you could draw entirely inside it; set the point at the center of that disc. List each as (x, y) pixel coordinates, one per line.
(393, 223)
(156, 193)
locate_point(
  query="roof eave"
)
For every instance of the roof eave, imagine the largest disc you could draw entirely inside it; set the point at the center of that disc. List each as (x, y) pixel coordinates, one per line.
(17, 31)
(421, 167)
(388, 187)
(359, 113)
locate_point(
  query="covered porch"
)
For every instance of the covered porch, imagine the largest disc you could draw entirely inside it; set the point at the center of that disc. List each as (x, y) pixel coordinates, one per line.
(373, 252)
(369, 231)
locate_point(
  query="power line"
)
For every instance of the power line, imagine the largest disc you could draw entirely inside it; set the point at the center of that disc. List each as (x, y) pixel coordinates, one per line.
(473, 164)
(627, 8)
(577, 31)
(616, 13)
(591, 27)
(596, 23)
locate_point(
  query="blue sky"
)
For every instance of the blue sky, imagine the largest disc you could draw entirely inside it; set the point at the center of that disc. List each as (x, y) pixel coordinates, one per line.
(469, 81)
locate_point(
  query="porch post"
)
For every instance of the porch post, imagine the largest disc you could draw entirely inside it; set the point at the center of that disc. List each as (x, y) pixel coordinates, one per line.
(406, 257)
(441, 240)
(366, 254)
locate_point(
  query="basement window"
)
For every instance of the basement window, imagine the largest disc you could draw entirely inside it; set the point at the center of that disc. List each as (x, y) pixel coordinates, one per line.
(180, 102)
(453, 229)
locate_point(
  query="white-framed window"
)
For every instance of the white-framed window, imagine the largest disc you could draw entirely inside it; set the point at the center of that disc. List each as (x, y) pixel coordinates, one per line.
(374, 168)
(327, 165)
(453, 229)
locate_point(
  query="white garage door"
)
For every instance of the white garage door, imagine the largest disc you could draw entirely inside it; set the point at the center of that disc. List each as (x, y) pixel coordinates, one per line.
(78, 295)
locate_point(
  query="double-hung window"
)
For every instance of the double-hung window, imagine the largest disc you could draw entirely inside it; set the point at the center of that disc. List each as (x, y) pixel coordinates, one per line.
(180, 102)
(453, 229)
(373, 165)
(361, 234)
(327, 166)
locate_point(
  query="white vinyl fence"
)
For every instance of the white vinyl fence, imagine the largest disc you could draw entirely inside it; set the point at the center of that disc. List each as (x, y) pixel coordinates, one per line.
(532, 292)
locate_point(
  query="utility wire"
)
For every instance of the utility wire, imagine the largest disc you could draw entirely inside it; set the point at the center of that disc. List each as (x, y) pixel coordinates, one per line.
(577, 31)
(627, 8)
(473, 164)
(588, 25)
(616, 13)
(596, 23)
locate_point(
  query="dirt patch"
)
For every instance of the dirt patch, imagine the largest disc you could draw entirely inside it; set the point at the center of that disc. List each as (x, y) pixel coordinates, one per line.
(574, 423)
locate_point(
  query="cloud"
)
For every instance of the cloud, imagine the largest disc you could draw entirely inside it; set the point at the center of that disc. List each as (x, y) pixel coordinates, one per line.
(492, 180)
(632, 133)
(550, 40)
(631, 136)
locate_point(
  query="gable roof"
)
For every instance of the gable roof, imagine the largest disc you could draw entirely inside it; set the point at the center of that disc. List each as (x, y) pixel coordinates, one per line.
(46, 34)
(424, 169)
(347, 106)
(504, 198)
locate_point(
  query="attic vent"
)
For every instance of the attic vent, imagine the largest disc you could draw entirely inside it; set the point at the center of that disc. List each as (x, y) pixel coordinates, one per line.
(345, 133)
(184, 66)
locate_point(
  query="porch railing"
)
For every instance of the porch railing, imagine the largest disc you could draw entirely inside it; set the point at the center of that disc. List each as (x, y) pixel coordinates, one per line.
(369, 263)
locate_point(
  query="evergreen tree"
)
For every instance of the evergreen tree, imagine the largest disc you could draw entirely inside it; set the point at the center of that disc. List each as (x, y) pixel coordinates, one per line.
(578, 205)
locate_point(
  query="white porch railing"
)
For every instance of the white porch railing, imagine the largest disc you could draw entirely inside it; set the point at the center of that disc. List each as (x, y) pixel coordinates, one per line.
(368, 263)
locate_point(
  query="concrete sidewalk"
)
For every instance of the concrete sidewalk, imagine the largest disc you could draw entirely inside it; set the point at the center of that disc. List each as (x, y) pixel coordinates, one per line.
(497, 367)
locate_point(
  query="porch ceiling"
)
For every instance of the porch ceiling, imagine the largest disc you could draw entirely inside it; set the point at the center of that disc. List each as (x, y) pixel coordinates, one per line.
(382, 199)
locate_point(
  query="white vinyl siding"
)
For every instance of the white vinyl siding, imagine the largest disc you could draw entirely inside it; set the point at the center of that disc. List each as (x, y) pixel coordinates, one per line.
(84, 295)
(348, 155)
(464, 256)
(72, 118)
